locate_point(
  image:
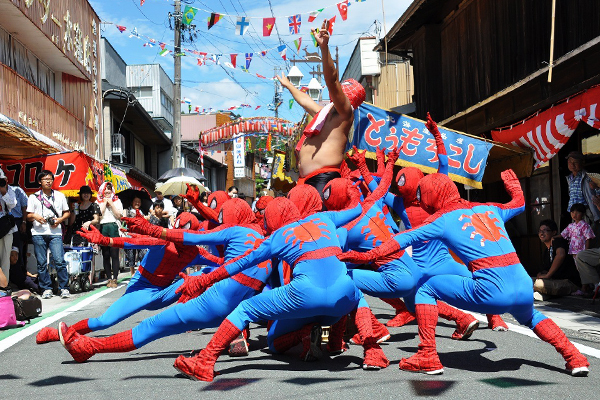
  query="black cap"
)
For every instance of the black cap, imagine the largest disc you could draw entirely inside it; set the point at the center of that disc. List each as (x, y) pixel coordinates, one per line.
(575, 154)
(85, 189)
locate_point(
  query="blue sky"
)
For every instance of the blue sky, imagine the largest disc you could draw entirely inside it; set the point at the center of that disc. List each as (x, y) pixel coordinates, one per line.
(221, 87)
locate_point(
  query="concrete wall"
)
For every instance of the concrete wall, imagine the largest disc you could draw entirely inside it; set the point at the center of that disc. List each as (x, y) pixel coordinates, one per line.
(113, 68)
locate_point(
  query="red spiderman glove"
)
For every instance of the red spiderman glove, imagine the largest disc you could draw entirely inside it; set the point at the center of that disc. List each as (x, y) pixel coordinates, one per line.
(355, 257)
(380, 161)
(192, 195)
(194, 286)
(433, 128)
(358, 158)
(93, 235)
(139, 224)
(513, 187)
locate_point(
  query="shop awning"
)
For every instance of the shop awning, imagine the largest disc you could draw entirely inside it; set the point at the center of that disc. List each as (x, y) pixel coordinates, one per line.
(546, 132)
(19, 141)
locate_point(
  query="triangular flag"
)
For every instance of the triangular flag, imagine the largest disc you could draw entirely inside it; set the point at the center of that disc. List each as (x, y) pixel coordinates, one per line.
(213, 19)
(281, 49)
(304, 89)
(241, 25)
(331, 22)
(164, 52)
(343, 9)
(142, 2)
(260, 76)
(264, 53)
(257, 107)
(134, 33)
(248, 60)
(162, 45)
(233, 59)
(148, 44)
(291, 103)
(298, 43)
(268, 24)
(121, 28)
(200, 62)
(294, 22)
(188, 15)
(313, 15)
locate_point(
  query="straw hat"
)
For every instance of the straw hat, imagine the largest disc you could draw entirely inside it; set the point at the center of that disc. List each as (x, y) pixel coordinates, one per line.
(594, 177)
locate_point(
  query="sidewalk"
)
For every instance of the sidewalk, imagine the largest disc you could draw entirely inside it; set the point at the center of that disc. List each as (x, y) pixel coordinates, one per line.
(56, 303)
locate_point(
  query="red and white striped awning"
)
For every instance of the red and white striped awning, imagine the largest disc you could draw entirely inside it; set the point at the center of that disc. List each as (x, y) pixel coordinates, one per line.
(548, 131)
(251, 125)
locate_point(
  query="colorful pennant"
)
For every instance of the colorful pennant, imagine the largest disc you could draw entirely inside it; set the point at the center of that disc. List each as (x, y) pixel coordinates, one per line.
(268, 24)
(294, 22)
(213, 19)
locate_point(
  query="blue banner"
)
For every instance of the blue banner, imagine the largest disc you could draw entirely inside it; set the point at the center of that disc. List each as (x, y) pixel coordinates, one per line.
(373, 126)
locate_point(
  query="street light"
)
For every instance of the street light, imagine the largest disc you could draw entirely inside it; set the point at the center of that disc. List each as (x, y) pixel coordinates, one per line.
(295, 76)
(314, 89)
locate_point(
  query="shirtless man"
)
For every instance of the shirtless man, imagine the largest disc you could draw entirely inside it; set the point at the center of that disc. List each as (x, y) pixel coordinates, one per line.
(320, 150)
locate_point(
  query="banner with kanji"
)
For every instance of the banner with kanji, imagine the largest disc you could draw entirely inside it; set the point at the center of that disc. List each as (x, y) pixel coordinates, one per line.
(547, 132)
(71, 171)
(373, 127)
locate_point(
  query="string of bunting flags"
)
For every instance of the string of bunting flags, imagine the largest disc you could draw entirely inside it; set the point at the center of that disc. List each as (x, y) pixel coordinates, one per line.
(241, 23)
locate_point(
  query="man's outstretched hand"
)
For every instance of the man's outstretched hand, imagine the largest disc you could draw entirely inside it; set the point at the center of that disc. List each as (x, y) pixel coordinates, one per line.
(322, 36)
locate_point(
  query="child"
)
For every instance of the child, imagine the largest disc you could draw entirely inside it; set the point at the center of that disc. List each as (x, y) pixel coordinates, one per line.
(160, 220)
(579, 233)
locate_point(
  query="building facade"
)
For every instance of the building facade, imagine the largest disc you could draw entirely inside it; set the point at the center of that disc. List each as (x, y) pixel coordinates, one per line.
(49, 78)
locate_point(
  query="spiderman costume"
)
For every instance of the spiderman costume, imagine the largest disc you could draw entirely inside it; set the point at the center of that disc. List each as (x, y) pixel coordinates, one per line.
(152, 286)
(433, 256)
(499, 283)
(322, 294)
(205, 311)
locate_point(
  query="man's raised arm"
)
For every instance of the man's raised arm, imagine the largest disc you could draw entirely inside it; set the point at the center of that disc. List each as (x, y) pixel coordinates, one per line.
(309, 105)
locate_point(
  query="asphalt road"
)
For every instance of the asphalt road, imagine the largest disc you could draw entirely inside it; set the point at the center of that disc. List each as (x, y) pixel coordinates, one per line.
(491, 365)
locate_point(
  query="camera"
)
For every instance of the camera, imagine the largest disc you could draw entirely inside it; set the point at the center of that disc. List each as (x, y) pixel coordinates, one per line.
(50, 220)
(2, 182)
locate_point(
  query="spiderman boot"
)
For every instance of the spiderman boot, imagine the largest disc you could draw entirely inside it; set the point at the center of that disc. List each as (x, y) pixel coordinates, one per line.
(426, 360)
(374, 357)
(82, 347)
(403, 316)
(548, 331)
(202, 366)
(288, 340)
(465, 323)
(380, 332)
(239, 347)
(496, 323)
(48, 334)
(335, 343)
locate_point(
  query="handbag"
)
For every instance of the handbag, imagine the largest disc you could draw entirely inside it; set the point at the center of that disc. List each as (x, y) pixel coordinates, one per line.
(6, 224)
(26, 305)
(8, 317)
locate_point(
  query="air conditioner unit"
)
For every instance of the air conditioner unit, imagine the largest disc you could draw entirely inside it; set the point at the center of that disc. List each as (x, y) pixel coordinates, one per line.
(118, 146)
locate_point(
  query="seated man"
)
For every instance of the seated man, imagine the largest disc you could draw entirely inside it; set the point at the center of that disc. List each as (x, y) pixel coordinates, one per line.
(588, 265)
(558, 277)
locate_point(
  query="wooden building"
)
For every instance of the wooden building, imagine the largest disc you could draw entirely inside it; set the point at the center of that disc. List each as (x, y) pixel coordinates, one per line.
(49, 78)
(480, 65)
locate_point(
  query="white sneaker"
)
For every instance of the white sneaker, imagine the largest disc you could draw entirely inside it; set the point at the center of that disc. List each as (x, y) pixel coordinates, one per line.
(65, 294)
(47, 294)
(539, 297)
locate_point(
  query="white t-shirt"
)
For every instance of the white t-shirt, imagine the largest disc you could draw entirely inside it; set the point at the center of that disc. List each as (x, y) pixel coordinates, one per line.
(108, 215)
(34, 205)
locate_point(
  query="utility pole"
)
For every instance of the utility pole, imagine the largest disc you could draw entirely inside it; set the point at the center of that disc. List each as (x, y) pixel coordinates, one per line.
(316, 59)
(176, 137)
(277, 96)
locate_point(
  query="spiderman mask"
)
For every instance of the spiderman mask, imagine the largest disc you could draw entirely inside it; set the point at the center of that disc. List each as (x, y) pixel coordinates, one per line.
(307, 199)
(340, 193)
(280, 212)
(437, 191)
(407, 181)
(187, 221)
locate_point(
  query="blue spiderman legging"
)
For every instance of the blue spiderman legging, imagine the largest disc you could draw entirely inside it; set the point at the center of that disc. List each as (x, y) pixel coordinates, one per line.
(139, 295)
(490, 291)
(312, 295)
(205, 311)
(397, 278)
